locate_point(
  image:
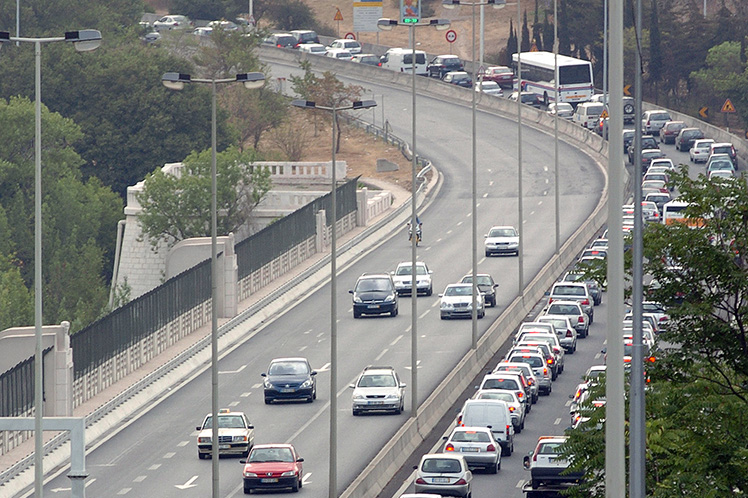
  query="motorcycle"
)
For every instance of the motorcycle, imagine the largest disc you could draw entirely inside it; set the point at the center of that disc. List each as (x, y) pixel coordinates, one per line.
(418, 234)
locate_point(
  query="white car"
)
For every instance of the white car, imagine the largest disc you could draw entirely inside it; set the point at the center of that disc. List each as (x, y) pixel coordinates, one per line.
(546, 465)
(489, 88)
(516, 407)
(457, 301)
(313, 48)
(700, 151)
(502, 240)
(236, 436)
(564, 110)
(167, 23)
(339, 53)
(352, 46)
(444, 474)
(378, 389)
(403, 278)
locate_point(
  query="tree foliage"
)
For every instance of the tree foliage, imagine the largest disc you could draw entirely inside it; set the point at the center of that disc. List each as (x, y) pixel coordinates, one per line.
(177, 207)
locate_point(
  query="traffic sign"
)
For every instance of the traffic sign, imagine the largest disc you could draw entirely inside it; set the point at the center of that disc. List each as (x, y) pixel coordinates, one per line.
(338, 15)
(350, 36)
(704, 112)
(451, 36)
(627, 90)
(604, 114)
(728, 107)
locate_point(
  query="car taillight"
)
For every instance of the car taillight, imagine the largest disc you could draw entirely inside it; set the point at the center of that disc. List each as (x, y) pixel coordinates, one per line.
(520, 394)
(580, 319)
(545, 371)
(491, 447)
(568, 333)
(535, 457)
(460, 482)
(280, 46)
(550, 300)
(420, 481)
(586, 302)
(449, 447)
(459, 420)
(511, 408)
(550, 361)
(507, 429)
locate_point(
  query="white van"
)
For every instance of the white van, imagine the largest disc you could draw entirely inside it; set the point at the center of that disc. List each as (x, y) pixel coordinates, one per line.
(587, 114)
(492, 413)
(401, 60)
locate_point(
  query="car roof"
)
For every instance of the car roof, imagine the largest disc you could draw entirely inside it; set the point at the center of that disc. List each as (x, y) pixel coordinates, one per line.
(290, 358)
(273, 445)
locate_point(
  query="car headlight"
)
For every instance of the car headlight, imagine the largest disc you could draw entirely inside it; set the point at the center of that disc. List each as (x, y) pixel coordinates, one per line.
(356, 299)
(289, 473)
(250, 474)
(389, 298)
(446, 306)
(306, 383)
(240, 439)
(268, 384)
(392, 396)
(513, 244)
(358, 396)
(203, 440)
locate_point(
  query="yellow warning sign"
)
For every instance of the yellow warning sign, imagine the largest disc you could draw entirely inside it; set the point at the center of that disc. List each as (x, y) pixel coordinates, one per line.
(338, 16)
(727, 106)
(604, 114)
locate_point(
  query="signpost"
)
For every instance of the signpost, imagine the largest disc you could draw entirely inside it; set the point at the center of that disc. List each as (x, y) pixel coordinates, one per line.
(728, 107)
(451, 36)
(704, 112)
(338, 17)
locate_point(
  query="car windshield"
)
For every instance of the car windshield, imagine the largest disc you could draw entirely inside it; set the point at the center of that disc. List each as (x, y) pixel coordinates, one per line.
(262, 455)
(458, 290)
(482, 280)
(557, 323)
(377, 381)
(441, 466)
(405, 270)
(373, 284)
(471, 437)
(502, 232)
(549, 449)
(288, 368)
(226, 422)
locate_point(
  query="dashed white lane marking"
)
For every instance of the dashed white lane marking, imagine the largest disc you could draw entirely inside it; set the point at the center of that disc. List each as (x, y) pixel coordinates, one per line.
(234, 403)
(438, 240)
(485, 195)
(597, 356)
(520, 484)
(568, 403)
(545, 168)
(396, 339)
(320, 334)
(557, 421)
(424, 313)
(307, 331)
(244, 395)
(459, 222)
(324, 368)
(547, 181)
(155, 466)
(418, 365)
(302, 348)
(169, 455)
(238, 370)
(532, 213)
(540, 203)
(124, 491)
(449, 231)
(380, 355)
(182, 444)
(139, 479)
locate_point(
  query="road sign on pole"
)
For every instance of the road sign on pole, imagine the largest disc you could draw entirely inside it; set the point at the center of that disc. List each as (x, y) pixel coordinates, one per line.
(451, 36)
(704, 112)
(728, 107)
(350, 36)
(627, 90)
(338, 15)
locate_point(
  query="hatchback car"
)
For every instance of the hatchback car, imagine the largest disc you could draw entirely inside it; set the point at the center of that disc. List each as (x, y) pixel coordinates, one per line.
(486, 286)
(574, 311)
(374, 294)
(368, 59)
(516, 407)
(508, 381)
(687, 136)
(593, 286)
(442, 64)
(489, 88)
(339, 53)
(699, 152)
(562, 109)
(540, 368)
(378, 389)
(573, 291)
(529, 98)
(477, 445)
(459, 78)
(289, 378)
(506, 366)
(565, 331)
(670, 130)
(305, 36)
(457, 301)
(648, 155)
(236, 435)
(725, 148)
(281, 40)
(719, 162)
(648, 142)
(546, 465)
(403, 278)
(313, 48)
(353, 46)
(502, 240)
(273, 466)
(446, 474)
(652, 121)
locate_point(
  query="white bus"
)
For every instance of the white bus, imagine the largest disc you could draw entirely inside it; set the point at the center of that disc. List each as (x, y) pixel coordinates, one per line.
(675, 212)
(538, 76)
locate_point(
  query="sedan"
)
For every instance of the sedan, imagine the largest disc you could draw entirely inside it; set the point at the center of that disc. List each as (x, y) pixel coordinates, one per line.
(562, 109)
(444, 474)
(489, 88)
(486, 286)
(273, 466)
(502, 240)
(403, 278)
(528, 98)
(477, 445)
(167, 23)
(290, 378)
(459, 78)
(457, 301)
(565, 331)
(648, 155)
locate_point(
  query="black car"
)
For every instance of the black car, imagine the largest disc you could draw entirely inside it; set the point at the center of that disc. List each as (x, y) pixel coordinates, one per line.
(290, 378)
(486, 286)
(374, 294)
(687, 136)
(443, 64)
(628, 139)
(281, 40)
(648, 142)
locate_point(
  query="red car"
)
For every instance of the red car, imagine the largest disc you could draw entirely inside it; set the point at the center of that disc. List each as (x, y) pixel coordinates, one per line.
(500, 74)
(273, 466)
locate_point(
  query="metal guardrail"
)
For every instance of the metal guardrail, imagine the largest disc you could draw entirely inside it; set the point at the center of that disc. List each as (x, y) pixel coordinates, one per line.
(108, 407)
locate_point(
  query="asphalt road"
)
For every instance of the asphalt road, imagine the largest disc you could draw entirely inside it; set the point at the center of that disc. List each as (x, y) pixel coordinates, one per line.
(156, 454)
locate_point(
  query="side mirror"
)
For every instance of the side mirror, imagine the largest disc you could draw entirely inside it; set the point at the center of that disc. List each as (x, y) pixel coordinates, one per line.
(242, 461)
(604, 350)
(198, 428)
(547, 293)
(314, 372)
(250, 426)
(299, 459)
(403, 385)
(352, 386)
(350, 291)
(263, 374)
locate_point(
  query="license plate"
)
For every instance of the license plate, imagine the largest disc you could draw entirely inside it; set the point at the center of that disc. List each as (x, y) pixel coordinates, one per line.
(224, 446)
(441, 480)
(287, 390)
(376, 402)
(468, 450)
(268, 480)
(373, 306)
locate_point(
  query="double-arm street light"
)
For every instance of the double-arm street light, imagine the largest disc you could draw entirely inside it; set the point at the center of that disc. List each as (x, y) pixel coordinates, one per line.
(497, 4)
(356, 105)
(84, 40)
(387, 25)
(176, 81)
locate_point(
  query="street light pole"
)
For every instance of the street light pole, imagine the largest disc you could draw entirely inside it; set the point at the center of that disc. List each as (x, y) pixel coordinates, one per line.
(333, 464)
(176, 81)
(520, 214)
(556, 174)
(386, 25)
(84, 40)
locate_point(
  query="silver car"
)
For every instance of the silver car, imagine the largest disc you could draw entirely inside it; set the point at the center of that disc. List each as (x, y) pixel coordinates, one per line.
(378, 389)
(516, 407)
(505, 366)
(457, 301)
(574, 311)
(565, 331)
(574, 291)
(539, 367)
(444, 474)
(477, 445)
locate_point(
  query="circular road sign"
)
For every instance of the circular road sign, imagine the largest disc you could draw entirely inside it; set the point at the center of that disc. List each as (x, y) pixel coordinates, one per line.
(350, 36)
(451, 36)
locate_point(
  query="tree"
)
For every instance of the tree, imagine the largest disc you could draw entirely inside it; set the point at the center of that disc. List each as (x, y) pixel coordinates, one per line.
(537, 29)
(655, 50)
(526, 41)
(16, 301)
(511, 43)
(178, 207)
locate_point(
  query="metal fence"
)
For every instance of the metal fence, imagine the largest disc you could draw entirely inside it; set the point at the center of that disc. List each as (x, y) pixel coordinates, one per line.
(272, 241)
(17, 389)
(127, 325)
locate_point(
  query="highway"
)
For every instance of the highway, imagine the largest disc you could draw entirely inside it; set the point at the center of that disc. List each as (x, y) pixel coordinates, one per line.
(156, 454)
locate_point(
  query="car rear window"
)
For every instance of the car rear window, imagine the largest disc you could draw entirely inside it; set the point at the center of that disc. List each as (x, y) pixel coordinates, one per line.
(500, 384)
(563, 309)
(533, 361)
(441, 465)
(568, 290)
(471, 437)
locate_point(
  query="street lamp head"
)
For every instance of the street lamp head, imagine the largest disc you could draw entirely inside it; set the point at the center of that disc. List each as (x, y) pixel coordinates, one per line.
(363, 104)
(251, 80)
(497, 4)
(440, 24)
(84, 40)
(386, 24)
(175, 81)
(4, 37)
(450, 4)
(304, 104)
